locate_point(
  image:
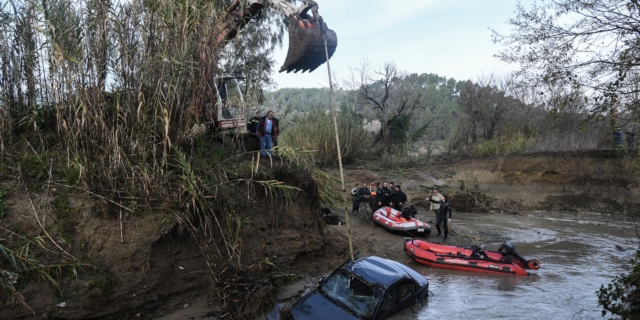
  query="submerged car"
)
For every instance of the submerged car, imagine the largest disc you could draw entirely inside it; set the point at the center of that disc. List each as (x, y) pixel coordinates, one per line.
(370, 288)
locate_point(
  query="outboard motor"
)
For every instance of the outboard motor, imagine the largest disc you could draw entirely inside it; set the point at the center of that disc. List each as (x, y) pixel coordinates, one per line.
(507, 249)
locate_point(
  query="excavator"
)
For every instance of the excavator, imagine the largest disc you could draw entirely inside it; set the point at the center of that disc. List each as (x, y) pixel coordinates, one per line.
(309, 37)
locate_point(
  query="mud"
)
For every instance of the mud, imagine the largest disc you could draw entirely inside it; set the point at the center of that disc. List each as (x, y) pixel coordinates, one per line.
(160, 271)
(593, 181)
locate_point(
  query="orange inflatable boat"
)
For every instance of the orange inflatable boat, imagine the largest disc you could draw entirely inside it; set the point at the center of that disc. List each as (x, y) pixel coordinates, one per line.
(504, 261)
(390, 220)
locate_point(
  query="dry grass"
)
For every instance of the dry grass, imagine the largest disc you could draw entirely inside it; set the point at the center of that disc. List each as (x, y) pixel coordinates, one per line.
(315, 131)
(104, 96)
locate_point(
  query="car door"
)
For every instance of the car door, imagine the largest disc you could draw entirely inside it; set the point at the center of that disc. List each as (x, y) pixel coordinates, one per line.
(397, 298)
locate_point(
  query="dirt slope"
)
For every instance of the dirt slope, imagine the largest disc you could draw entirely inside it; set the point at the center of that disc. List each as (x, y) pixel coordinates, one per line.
(157, 269)
(599, 181)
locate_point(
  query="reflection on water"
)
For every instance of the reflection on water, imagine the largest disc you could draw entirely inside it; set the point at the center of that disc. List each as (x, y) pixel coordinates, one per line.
(577, 256)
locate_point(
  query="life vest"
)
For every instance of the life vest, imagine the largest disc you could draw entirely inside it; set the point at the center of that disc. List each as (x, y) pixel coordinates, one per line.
(373, 191)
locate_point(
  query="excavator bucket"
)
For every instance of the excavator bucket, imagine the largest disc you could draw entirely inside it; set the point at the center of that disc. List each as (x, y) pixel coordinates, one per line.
(306, 45)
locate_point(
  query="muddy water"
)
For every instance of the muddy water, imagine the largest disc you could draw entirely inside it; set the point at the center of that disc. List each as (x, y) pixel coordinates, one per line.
(577, 256)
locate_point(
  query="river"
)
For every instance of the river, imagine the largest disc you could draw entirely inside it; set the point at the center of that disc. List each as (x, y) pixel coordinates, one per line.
(577, 257)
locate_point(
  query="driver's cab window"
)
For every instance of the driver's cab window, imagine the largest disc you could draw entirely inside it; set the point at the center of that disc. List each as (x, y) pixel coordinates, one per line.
(394, 296)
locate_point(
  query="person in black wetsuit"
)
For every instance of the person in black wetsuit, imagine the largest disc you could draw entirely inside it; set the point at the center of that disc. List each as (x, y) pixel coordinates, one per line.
(442, 215)
(398, 198)
(384, 197)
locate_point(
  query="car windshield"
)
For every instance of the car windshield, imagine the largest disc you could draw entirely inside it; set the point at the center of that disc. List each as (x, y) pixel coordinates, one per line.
(357, 295)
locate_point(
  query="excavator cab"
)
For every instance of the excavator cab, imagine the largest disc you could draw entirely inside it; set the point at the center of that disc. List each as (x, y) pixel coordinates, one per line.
(227, 112)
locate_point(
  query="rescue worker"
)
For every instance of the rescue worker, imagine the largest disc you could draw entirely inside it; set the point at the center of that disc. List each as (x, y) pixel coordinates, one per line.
(363, 194)
(267, 131)
(355, 198)
(434, 206)
(373, 196)
(385, 196)
(442, 216)
(398, 198)
(393, 190)
(252, 125)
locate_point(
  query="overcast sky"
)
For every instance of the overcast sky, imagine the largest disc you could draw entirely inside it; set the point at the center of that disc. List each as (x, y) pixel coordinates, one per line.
(448, 37)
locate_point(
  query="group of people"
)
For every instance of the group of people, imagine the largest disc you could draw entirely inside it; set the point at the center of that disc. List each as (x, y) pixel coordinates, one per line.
(629, 136)
(267, 128)
(378, 195)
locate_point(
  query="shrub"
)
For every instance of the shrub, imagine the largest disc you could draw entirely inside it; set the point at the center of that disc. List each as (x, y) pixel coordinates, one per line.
(621, 297)
(315, 131)
(503, 146)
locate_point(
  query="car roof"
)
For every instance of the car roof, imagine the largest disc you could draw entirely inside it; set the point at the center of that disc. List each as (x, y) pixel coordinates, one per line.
(378, 270)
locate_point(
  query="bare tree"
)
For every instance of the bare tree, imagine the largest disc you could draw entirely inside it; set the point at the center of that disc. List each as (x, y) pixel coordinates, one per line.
(385, 92)
(585, 44)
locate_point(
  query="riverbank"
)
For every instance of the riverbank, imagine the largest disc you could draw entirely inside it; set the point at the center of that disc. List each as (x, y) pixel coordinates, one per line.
(160, 272)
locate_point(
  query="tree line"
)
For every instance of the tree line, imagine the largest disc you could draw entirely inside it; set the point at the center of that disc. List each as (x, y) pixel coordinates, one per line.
(495, 114)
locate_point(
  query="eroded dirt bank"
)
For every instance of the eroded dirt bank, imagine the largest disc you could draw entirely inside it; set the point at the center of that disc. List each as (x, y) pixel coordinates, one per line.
(597, 181)
(158, 269)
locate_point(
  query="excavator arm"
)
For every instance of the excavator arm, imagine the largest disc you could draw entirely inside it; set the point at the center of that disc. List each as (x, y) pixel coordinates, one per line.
(307, 33)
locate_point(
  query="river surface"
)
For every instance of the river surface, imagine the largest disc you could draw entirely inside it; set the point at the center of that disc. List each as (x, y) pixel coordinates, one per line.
(577, 257)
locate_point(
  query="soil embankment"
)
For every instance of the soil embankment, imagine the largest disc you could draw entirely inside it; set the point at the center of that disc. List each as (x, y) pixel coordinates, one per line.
(597, 181)
(158, 269)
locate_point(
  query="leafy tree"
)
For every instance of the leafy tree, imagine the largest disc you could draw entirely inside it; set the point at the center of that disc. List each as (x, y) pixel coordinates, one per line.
(621, 297)
(591, 45)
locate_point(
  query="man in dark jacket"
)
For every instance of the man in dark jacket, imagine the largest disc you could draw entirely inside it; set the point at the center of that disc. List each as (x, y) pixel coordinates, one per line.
(355, 198)
(252, 125)
(630, 136)
(442, 215)
(373, 196)
(398, 198)
(391, 194)
(363, 195)
(267, 131)
(384, 196)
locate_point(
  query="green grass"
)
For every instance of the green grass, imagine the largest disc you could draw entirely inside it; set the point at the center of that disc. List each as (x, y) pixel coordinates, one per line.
(502, 147)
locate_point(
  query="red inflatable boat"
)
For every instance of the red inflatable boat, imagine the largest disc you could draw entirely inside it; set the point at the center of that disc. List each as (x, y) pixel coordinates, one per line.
(504, 261)
(387, 218)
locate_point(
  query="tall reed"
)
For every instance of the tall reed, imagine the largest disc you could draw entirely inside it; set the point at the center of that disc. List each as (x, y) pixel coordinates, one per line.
(315, 131)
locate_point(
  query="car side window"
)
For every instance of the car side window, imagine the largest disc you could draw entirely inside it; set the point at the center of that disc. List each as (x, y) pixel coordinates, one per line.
(404, 290)
(394, 296)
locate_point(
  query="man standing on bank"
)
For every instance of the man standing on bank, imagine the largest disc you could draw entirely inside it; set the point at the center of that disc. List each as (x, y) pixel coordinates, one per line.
(398, 198)
(442, 216)
(434, 206)
(630, 136)
(267, 131)
(252, 125)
